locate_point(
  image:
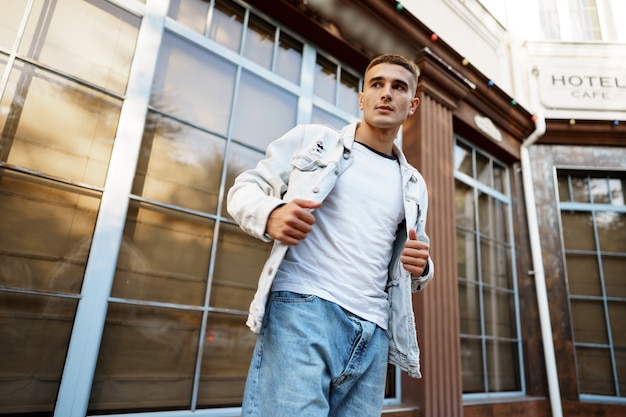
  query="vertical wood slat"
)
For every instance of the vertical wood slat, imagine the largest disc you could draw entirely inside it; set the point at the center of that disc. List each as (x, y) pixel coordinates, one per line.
(428, 144)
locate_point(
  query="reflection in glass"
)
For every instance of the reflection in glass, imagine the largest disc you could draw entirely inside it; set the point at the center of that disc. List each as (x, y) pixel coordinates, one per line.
(289, 58)
(11, 15)
(192, 14)
(493, 217)
(580, 189)
(91, 40)
(164, 256)
(193, 85)
(472, 365)
(589, 322)
(617, 188)
(264, 111)
(228, 346)
(259, 44)
(147, 359)
(617, 313)
(464, 205)
(483, 169)
(45, 233)
(469, 306)
(325, 118)
(578, 230)
(599, 190)
(239, 261)
(467, 266)
(349, 93)
(611, 231)
(563, 188)
(35, 332)
(463, 159)
(57, 126)
(496, 264)
(179, 165)
(595, 374)
(502, 357)
(499, 313)
(499, 178)
(583, 275)
(325, 79)
(614, 267)
(240, 158)
(227, 24)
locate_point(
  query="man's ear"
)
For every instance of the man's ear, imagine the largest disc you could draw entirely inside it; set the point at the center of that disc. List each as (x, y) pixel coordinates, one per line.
(414, 103)
(361, 101)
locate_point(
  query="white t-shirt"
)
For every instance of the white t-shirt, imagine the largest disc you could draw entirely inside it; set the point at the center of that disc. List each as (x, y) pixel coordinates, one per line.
(345, 257)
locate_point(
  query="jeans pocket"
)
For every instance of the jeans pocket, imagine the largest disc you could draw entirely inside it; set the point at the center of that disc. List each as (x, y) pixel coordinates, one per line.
(291, 297)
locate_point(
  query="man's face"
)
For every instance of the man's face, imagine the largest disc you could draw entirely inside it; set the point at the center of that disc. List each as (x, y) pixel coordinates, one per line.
(388, 96)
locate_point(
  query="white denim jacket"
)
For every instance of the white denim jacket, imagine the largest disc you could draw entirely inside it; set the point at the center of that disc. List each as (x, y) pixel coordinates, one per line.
(305, 163)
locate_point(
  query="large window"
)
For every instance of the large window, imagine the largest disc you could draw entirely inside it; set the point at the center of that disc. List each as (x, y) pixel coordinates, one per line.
(581, 20)
(593, 220)
(488, 296)
(64, 67)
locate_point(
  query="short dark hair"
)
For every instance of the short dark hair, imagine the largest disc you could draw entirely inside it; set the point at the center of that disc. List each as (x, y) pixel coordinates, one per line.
(397, 60)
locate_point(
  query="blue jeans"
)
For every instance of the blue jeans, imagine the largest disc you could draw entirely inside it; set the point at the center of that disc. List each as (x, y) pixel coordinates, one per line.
(313, 358)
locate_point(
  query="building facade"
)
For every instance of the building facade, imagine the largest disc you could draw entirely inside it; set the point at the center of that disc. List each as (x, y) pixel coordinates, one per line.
(125, 284)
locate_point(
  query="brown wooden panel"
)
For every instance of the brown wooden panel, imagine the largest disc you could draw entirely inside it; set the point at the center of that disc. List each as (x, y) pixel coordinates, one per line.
(534, 408)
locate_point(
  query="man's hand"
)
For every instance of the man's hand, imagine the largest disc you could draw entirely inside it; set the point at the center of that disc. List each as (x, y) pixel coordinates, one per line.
(291, 222)
(415, 254)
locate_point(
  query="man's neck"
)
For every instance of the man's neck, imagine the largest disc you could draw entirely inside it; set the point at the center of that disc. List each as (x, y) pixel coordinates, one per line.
(379, 139)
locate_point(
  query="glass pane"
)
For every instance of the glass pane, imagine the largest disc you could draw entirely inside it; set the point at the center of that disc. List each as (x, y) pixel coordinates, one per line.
(496, 264)
(323, 117)
(240, 159)
(11, 15)
(502, 365)
(349, 93)
(259, 44)
(35, 333)
(620, 361)
(499, 314)
(178, 92)
(164, 256)
(463, 159)
(264, 111)
(599, 190)
(45, 233)
(499, 178)
(583, 275)
(611, 231)
(595, 373)
(614, 280)
(147, 359)
(467, 266)
(179, 165)
(493, 218)
(617, 313)
(617, 187)
(472, 366)
(464, 205)
(228, 347)
(483, 172)
(239, 261)
(564, 188)
(469, 308)
(289, 58)
(578, 230)
(325, 79)
(57, 127)
(580, 190)
(192, 14)
(227, 24)
(589, 322)
(92, 40)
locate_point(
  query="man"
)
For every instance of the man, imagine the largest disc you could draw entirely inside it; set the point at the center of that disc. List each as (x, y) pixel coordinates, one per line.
(347, 214)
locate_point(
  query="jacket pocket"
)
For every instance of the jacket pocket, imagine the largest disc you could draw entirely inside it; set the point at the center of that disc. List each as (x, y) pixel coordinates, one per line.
(307, 163)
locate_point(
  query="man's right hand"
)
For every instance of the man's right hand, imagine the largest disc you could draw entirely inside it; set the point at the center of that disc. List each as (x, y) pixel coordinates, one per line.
(291, 222)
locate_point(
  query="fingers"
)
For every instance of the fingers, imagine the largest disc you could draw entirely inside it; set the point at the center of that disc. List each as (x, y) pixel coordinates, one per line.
(291, 222)
(415, 254)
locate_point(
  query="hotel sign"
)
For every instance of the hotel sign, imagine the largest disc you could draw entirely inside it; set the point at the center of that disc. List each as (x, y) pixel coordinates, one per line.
(583, 88)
